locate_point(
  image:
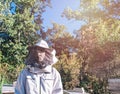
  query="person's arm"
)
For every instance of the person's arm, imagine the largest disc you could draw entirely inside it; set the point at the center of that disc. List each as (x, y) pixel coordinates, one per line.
(57, 86)
(20, 84)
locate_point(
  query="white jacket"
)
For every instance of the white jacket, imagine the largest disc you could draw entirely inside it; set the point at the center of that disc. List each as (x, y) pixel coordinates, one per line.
(36, 81)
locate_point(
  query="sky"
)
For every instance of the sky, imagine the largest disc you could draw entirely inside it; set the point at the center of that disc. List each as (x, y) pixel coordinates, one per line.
(54, 14)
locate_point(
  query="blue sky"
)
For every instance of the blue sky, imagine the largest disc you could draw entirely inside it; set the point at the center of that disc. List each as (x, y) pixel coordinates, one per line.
(54, 14)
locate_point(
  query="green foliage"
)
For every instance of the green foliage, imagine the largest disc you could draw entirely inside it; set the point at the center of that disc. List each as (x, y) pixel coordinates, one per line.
(17, 51)
(21, 30)
(94, 85)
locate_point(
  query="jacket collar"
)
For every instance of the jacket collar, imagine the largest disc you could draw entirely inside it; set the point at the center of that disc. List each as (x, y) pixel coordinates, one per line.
(47, 69)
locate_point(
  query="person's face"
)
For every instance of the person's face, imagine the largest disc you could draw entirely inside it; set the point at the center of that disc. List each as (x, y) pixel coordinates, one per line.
(40, 53)
(40, 57)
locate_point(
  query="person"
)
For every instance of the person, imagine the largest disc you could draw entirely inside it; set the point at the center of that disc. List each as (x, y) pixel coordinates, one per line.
(39, 76)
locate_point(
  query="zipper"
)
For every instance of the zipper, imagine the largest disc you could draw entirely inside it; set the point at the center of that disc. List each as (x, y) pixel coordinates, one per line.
(40, 85)
(38, 82)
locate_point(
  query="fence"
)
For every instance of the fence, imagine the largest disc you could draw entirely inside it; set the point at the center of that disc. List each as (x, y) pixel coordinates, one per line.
(114, 86)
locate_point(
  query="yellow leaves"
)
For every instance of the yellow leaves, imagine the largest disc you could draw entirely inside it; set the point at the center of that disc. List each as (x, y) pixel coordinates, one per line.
(58, 30)
(105, 3)
(68, 12)
(69, 68)
(8, 72)
(89, 3)
(70, 63)
(108, 30)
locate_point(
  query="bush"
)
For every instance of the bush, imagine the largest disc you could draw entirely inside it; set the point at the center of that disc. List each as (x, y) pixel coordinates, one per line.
(9, 73)
(94, 85)
(69, 68)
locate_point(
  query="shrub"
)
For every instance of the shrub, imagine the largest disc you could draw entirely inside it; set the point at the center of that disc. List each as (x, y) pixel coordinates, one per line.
(9, 73)
(94, 85)
(69, 69)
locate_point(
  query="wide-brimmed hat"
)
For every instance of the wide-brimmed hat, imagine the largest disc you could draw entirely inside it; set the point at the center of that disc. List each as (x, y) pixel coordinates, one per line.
(44, 44)
(40, 44)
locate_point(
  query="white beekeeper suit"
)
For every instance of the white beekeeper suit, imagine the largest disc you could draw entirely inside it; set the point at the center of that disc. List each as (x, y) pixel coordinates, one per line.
(33, 80)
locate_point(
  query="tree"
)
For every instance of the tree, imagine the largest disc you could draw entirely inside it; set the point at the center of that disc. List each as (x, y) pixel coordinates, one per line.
(99, 39)
(102, 18)
(101, 28)
(17, 32)
(21, 27)
(61, 40)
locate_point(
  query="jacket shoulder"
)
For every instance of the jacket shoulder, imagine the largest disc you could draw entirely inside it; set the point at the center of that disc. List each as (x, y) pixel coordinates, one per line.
(55, 72)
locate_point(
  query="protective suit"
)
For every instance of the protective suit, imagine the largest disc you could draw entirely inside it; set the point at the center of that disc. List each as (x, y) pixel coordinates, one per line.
(40, 78)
